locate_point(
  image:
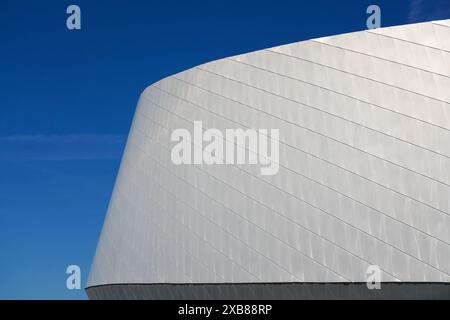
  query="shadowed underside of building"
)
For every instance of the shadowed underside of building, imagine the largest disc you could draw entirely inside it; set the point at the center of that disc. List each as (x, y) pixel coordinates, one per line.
(363, 179)
(271, 291)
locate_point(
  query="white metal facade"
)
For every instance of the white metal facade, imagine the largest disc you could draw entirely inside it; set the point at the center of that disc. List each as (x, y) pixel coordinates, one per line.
(364, 175)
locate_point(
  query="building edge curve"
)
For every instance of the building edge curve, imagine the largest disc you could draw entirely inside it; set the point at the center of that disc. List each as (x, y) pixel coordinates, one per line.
(120, 271)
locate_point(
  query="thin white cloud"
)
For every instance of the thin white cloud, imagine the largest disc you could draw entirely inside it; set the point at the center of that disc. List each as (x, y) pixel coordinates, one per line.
(421, 10)
(415, 10)
(61, 147)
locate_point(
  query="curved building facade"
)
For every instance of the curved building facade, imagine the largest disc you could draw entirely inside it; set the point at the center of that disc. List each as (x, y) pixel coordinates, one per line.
(361, 187)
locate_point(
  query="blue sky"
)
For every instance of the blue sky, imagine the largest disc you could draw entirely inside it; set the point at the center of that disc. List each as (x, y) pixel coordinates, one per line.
(67, 100)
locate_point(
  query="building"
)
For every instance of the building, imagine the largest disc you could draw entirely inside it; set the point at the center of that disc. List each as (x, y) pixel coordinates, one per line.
(363, 180)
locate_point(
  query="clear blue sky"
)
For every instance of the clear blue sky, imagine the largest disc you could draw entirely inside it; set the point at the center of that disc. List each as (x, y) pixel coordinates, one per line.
(67, 99)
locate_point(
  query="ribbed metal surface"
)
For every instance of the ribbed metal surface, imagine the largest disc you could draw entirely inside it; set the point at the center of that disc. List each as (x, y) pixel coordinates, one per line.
(272, 291)
(364, 176)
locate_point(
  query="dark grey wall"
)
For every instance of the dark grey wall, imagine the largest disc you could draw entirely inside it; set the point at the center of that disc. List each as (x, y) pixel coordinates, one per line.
(269, 291)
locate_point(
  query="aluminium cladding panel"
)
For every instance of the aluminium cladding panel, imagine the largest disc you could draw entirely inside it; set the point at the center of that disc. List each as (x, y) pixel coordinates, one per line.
(364, 168)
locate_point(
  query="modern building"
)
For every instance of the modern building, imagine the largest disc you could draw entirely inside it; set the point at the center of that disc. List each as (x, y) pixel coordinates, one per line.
(363, 179)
